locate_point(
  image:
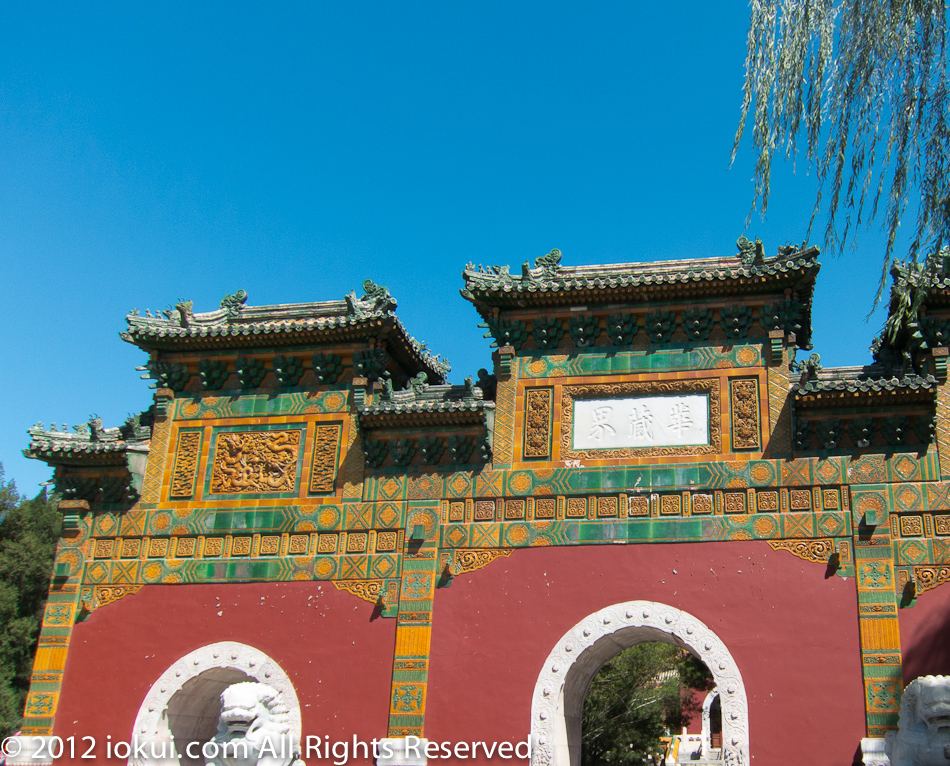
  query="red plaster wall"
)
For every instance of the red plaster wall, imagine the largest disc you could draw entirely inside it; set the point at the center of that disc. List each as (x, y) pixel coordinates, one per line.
(792, 632)
(339, 660)
(925, 635)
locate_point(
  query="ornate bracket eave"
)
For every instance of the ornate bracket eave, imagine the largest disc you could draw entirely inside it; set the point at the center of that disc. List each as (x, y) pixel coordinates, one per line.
(928, 578)
(819, 551)
(383, 593)
(464, 560)
(835, 553)
(102, 595)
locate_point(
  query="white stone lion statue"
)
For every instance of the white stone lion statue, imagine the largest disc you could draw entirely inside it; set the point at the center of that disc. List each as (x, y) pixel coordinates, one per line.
(923, 734)
(253, 729)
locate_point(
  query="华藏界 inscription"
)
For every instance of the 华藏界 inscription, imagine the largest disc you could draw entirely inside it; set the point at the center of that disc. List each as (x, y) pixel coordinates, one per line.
(673, 420)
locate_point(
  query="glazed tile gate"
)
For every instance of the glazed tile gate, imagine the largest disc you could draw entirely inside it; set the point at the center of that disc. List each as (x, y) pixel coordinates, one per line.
(295, 446)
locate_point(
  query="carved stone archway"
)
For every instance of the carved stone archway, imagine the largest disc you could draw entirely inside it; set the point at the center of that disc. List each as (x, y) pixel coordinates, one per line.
(558, 701)
(199, 677)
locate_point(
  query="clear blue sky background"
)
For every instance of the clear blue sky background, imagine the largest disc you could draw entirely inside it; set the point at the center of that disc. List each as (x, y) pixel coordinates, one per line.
(151, 151)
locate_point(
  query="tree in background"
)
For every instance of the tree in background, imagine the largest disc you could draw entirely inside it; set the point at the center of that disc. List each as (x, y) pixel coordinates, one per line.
(637, 697)
(29, 530)
(864, 83)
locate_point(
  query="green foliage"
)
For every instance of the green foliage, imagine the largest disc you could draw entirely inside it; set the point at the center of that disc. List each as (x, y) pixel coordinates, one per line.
(636, 698)
(865, 84)
(29, 530)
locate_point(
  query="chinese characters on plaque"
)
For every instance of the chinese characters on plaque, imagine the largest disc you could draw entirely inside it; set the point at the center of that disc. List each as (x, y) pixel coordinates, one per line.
(641, 421)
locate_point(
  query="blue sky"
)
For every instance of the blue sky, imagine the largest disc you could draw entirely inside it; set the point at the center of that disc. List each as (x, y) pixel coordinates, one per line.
(156, 151)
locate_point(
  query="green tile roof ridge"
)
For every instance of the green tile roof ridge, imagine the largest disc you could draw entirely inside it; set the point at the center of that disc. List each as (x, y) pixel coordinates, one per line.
(868, 379)
(421, 397)
(939, 278)
(88, 439)
(283, 317)
(554, 277)
(235, 319)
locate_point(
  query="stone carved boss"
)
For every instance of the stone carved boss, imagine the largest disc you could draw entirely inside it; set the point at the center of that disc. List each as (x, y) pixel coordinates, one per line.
(255, 461)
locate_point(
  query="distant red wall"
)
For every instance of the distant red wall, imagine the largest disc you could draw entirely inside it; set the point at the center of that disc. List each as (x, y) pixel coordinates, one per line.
(339, 661)
(925, 635)
(792, 632)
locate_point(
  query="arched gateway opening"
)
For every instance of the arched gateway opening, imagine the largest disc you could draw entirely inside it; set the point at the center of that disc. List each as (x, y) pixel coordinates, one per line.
(183, 705)
(558, 701)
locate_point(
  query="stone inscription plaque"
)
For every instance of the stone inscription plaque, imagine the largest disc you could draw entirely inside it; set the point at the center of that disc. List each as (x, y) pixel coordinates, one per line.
(672, 420)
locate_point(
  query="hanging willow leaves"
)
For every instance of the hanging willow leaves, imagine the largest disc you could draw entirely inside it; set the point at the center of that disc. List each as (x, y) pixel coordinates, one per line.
(864, 84)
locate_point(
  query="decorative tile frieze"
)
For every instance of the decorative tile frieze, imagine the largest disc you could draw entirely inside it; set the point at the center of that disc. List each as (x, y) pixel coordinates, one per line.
(671, 505)
(734, 502)
(800, 500)
(911, 526)
(241, 546)
(607, 507)
(546, 508)
(185, 547)
(576, 507)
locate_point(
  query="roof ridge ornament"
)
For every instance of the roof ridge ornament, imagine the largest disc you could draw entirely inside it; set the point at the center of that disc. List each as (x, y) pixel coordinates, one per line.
(751, 253)
(376, 299)
(809, 369)
(182, 313)
(233, 305)
(547, 263)
(418, 383)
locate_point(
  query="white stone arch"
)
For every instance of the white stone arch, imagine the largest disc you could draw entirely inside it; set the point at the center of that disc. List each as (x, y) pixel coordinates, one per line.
(558, 700)
(208, 670)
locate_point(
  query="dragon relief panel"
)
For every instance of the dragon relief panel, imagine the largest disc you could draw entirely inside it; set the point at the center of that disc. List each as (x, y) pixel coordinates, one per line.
(255, 461)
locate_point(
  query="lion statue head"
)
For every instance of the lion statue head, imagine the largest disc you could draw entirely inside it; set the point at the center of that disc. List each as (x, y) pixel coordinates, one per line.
(253, 729)
(923, 734)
